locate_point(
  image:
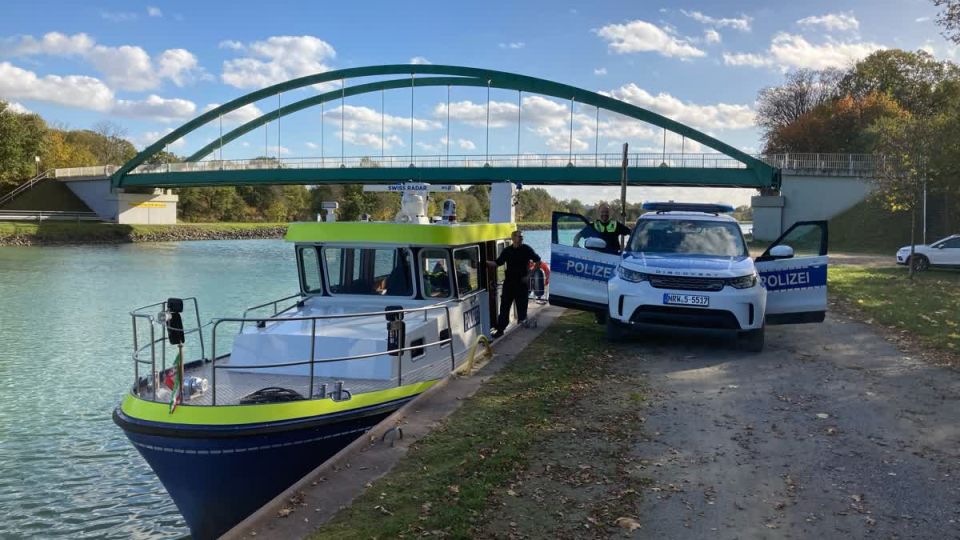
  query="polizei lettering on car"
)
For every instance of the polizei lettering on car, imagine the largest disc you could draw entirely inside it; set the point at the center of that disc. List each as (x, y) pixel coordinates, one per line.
(794, 278)
(582, 268)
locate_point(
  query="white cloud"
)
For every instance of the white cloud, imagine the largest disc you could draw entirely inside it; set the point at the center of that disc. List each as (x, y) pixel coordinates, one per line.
(156, 108)
(151, 137)
(72, 90)
(240, 116)
(711, 36)
(361, 126)
(18, 108)
(276, 59)
(420, 60)
(462, 144)
(794, 51)
(717, 116)
(118, 16)
(641, 36)
(921, 19)
(231, 44)
(272, 150)
(154, 11)
(311, 145)
(600, 71)
(832, 21)
(741, 23)
(747, 59)
(512, 45)
(126, 67)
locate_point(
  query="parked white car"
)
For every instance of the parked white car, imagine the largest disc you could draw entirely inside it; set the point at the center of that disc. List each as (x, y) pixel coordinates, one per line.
(687, 265)
(944, 252)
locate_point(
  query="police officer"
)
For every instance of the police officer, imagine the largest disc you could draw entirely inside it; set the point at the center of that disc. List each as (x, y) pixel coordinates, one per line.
(517, 257)
(610, 231)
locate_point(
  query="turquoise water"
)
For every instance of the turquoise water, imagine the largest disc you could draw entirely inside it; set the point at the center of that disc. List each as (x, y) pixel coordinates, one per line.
(65, 342)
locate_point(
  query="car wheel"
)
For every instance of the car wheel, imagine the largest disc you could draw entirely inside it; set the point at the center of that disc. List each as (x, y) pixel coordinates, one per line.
(752, 340)
(919, 263)
(615, 330)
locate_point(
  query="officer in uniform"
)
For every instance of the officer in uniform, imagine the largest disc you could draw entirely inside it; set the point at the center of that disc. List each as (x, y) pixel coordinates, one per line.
(610, 231)
(517, 257)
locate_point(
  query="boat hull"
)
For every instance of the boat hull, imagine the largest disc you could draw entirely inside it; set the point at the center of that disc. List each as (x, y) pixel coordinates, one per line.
(218, 475)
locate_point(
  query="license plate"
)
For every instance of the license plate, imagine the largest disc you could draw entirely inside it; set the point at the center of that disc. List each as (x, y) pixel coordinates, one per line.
(686, 299)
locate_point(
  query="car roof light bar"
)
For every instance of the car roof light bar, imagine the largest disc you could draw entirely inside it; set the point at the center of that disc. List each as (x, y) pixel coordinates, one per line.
(671, 206)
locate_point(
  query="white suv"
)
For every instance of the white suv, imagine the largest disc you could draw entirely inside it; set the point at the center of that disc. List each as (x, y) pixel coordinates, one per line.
(688, 266)
(944, 252)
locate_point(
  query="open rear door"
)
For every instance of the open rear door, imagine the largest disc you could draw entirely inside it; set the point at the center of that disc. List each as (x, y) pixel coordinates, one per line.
(578, 276)
(796, 278)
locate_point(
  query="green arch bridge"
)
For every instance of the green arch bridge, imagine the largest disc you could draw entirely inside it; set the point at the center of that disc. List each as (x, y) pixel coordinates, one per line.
(726, 167)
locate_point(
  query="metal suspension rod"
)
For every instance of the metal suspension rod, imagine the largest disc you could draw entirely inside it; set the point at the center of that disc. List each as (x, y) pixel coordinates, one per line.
(221, 140)
(487, 143)
(664, 156)
(279, 94)
(596, 141)
(382, 108)
(343, 103)
(519, 112)
(412, 79)
(448, 125)
(321, 134)
(572, 103)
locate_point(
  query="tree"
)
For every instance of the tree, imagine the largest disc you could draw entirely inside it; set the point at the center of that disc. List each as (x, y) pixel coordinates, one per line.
(21, 140)
(110, 146)
(916, 81)
(801, 92)
(949, 19)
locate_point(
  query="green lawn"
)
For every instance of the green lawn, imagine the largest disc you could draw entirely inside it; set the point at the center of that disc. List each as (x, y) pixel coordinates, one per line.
(447, 479)
(53, 232)
(928, 307)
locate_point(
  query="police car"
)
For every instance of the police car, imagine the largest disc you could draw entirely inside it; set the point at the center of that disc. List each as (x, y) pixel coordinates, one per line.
(687, 265)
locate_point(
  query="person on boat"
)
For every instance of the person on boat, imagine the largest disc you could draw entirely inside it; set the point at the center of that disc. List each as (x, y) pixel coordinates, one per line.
(610, 231)
(517, 257)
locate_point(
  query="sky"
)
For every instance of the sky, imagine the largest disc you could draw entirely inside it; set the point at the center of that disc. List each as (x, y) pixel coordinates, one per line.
(150, 67)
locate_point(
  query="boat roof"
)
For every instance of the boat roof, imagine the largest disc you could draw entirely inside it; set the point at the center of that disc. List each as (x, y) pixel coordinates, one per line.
(378, 232)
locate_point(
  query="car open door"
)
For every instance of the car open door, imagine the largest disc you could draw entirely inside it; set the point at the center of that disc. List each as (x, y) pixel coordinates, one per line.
(794, 271)
(578, 276)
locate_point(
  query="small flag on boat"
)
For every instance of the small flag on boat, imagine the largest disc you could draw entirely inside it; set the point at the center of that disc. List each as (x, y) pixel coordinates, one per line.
(177, 381)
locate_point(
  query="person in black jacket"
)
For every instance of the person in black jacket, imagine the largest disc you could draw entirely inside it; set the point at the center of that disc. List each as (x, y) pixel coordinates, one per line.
(517, 257)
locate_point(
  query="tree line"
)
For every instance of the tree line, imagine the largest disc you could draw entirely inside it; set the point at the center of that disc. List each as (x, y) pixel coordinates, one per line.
(899, 105)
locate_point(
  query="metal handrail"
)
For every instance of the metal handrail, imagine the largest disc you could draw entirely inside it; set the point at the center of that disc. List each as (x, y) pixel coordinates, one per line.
(25, 186)
(313, 338)
(274, 304)
(138, 313)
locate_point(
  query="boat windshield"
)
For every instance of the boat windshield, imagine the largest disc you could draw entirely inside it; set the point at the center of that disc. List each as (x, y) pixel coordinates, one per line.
(368, 271)
(688, 237)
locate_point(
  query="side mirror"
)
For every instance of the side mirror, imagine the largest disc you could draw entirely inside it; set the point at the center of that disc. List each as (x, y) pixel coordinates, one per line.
(595, 243)
(781, 252)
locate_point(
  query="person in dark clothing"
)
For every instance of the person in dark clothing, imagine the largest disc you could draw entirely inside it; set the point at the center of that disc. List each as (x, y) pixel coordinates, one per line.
(517, 257)
(610, 231)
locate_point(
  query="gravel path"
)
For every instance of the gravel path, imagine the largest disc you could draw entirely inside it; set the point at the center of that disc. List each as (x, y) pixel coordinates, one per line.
(829, 433)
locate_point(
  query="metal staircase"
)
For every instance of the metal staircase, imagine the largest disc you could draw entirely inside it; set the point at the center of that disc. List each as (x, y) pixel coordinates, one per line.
(26, 186)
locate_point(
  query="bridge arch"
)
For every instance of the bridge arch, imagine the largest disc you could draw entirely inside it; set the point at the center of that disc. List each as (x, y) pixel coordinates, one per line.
(759, 174)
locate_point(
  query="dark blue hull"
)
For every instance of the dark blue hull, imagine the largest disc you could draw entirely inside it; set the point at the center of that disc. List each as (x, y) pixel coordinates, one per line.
(218, 475)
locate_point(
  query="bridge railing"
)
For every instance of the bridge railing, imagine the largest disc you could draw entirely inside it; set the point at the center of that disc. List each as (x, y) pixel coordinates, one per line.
(802, 163)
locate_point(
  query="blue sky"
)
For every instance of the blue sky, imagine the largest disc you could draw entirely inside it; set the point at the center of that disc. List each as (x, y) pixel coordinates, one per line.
(150, 67)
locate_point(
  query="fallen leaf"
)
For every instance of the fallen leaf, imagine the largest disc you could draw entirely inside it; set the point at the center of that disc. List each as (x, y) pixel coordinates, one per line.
(454, 489)
(511, 493)
(628, 523)
(823, 415)
(284, 512)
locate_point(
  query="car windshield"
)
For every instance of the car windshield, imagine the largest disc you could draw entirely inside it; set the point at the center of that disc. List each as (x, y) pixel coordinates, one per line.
(688, 236)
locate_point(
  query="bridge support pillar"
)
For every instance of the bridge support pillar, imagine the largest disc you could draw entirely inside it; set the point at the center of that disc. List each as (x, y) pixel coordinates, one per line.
(767, 216)
(502, 196)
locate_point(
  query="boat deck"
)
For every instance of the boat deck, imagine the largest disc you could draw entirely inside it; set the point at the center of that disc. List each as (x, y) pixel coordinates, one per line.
(234, 385)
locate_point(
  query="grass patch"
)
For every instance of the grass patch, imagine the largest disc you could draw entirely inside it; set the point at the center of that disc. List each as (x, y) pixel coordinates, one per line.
(446, 480)
(927, 308)
(64, 232)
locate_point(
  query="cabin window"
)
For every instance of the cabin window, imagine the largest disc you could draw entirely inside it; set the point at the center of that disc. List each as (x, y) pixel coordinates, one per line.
(436, 273)
(382, 272)
(310, 270)
(466, 261)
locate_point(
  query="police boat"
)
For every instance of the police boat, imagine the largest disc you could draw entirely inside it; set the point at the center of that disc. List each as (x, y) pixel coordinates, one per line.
(232, 412)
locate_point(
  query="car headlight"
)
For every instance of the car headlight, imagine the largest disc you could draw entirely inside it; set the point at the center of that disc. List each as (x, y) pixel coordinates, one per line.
(630, 275)
(744, 282)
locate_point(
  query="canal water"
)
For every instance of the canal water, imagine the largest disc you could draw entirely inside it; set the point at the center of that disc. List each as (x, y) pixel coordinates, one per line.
(65, 343)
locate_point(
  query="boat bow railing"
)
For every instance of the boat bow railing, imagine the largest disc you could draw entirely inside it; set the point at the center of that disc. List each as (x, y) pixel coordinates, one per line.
(153, 319)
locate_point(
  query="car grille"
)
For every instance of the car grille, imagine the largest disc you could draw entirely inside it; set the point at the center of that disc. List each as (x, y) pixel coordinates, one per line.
(684, 283)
